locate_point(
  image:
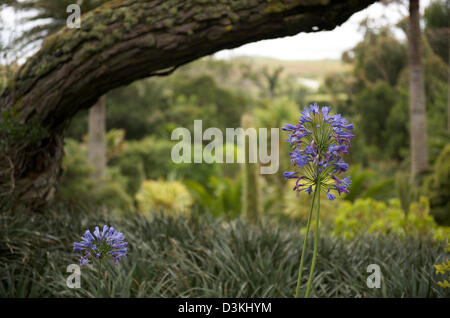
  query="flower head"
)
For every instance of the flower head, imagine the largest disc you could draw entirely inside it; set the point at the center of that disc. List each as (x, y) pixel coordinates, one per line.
(107, 243)
(319, 142)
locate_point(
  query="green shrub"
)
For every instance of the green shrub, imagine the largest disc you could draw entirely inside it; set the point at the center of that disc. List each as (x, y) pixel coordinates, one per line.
(133, 173)
(16, 137)
(151, 152)
(437, 188)
(443, 268)
(251, 188)
(77, 184)
(406, 191)
(297, 207)
(201, 256)
(76, 177)
(115, 143)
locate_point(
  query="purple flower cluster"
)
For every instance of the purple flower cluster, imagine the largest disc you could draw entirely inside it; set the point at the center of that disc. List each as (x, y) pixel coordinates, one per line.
(319, 142)
(109, 242)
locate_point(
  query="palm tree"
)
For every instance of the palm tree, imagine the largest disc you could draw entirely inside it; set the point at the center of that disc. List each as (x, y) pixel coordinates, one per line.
(417, 107)
(97, 140)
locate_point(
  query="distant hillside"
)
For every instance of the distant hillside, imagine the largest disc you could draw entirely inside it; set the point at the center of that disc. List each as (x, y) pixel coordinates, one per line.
(245, 72)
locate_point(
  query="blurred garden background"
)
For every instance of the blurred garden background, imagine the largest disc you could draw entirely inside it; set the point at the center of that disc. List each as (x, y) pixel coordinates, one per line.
(225, 230)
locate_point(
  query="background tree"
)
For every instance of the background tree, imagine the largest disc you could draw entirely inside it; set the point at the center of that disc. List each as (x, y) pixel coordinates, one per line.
(417, 107)
(266, 79)
(251, 192)
(97, 138)
(129, 40)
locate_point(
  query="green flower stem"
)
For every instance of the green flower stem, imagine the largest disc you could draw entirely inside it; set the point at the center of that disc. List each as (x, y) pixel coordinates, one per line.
(308, 224)
(98, 277)
(316, 238)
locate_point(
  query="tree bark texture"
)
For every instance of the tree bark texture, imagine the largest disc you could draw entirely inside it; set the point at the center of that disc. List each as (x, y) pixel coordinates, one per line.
(417, 107)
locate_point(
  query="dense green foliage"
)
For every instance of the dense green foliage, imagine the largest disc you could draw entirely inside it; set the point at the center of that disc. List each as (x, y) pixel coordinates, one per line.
(379, 110)
(437, 187)
(50, 14)
(157, 106)
(168, 196)
(370, 216)
(15, 137)
(443, 269)
(205, 257)
(77, 178)
(380, 56)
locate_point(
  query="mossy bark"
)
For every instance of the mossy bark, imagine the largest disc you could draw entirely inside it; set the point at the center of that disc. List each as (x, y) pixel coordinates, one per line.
(126, 40)
(417, 107)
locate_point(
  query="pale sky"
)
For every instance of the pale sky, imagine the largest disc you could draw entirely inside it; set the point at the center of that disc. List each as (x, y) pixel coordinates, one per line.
(304, 46)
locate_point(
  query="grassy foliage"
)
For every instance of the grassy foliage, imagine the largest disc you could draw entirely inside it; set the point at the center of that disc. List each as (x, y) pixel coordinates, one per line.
(444, 268)
(170, 196)
(174, 256)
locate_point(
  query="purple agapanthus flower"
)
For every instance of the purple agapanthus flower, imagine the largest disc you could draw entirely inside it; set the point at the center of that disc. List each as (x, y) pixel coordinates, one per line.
(107, 243)
(319, 142)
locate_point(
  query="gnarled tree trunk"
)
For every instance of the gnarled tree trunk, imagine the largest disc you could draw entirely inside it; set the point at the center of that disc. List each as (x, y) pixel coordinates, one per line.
(126, 40)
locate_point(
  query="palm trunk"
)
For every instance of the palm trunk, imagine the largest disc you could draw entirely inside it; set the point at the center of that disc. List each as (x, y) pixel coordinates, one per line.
(97, 143)
(417, 109)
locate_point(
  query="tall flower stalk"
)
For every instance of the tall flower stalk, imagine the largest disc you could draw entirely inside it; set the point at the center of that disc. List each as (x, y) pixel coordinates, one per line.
(106, 244)
(318, 143)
